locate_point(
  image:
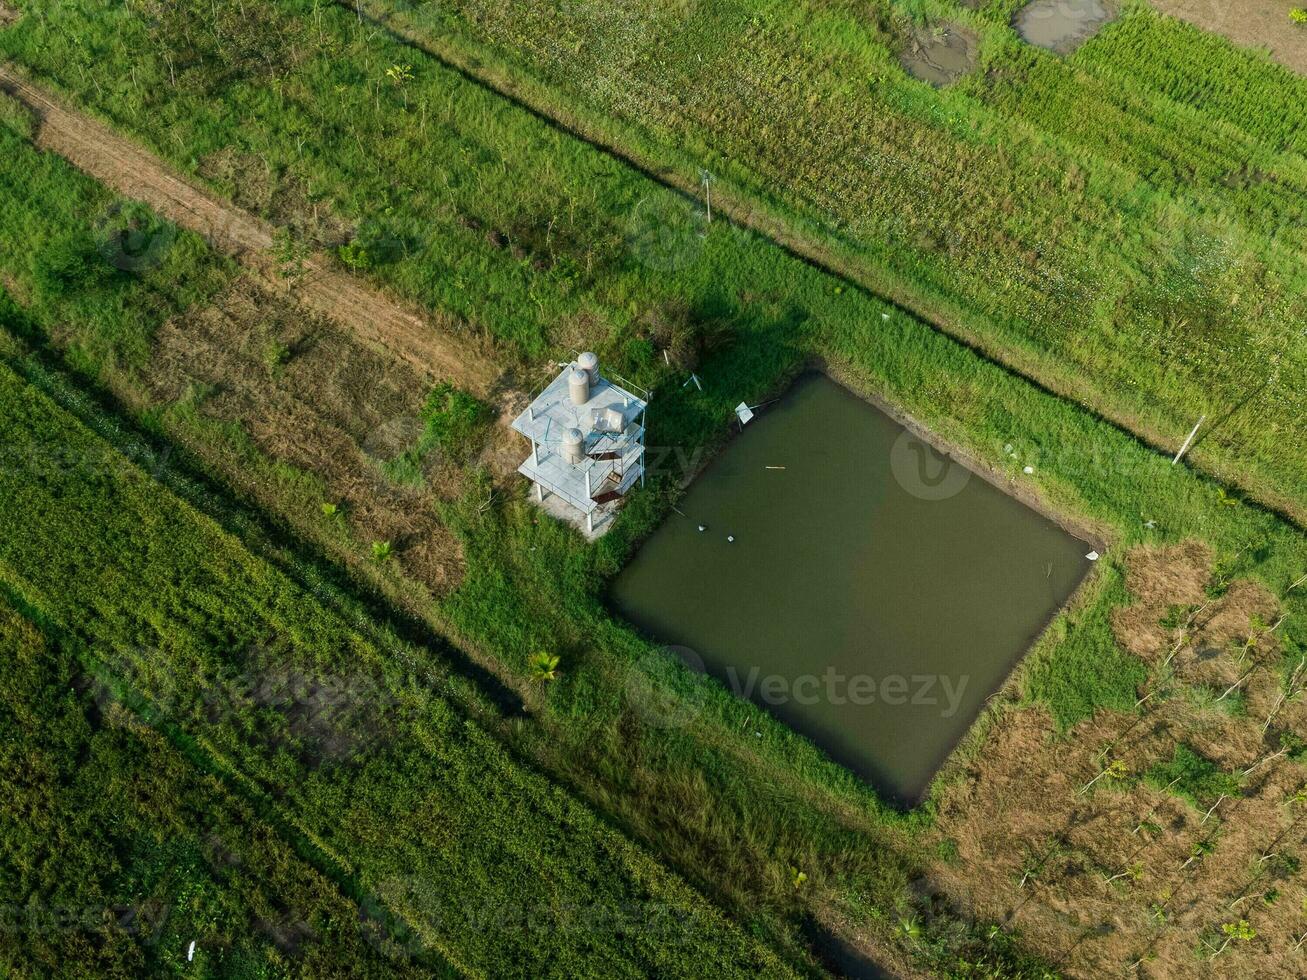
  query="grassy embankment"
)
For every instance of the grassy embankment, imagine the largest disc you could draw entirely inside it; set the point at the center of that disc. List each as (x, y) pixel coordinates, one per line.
(516, 598)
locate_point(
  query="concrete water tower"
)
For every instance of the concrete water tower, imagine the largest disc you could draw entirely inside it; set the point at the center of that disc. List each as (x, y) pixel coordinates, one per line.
(587, 444)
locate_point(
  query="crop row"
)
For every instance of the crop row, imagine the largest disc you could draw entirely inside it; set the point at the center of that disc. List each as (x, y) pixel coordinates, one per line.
(486, 862)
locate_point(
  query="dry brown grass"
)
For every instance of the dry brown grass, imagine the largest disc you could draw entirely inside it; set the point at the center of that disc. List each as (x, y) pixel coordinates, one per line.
(327, 404)
(1035, 851)
(1251, 23)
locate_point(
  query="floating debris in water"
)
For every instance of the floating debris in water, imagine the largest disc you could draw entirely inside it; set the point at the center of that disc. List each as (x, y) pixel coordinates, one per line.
(730, 537)
(702, 528)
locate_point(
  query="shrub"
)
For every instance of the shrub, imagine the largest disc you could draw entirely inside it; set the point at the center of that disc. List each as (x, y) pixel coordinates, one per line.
(1193, 777)
(455, 422)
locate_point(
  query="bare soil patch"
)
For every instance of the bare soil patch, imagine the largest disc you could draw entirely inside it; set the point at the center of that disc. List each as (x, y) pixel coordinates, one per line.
(1124, 878)
(436, 347)
(1261, 24)
(940, 54)
(8, 15)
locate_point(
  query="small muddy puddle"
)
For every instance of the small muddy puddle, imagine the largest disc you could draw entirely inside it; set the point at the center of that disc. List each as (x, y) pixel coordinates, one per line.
(1062, 26)
(939, 55)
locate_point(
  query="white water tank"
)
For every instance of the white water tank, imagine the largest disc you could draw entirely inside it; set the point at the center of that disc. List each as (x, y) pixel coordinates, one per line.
(589, 363)
(578, 386)
(573, 445)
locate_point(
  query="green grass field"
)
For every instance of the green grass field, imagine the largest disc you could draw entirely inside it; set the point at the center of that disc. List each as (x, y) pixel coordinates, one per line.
(1124, 225)
(378, 774)
(420, 168)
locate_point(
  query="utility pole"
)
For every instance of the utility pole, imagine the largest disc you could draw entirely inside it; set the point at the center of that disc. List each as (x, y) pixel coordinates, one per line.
(707, 178)
(1193, 432)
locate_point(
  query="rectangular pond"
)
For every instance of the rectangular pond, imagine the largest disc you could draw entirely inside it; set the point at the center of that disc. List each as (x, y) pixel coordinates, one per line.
(875, 592)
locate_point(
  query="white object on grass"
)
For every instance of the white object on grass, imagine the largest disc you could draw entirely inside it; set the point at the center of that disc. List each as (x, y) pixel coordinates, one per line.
(744, 413)
(1092, 556)
(1185, 448)
(1028, 470)
(190, 953)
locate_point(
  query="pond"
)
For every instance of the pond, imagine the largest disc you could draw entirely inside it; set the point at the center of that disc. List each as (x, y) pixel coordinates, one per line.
(866, 590)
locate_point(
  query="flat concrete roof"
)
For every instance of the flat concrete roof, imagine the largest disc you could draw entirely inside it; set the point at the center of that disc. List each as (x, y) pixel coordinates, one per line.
(612, 460)
(552, 412)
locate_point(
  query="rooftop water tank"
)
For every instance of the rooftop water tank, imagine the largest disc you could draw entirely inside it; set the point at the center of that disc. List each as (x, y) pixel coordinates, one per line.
(573, 445)
(589, 363)
(578, 386)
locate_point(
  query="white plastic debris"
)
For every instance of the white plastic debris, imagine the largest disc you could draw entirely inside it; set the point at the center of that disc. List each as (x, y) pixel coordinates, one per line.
(1092, 556)
(744, 413)
(1150, 524)
(730, 537)
(1008, 449)
(702, 528)
(190, 953)
(884, 316)
(1028, 470)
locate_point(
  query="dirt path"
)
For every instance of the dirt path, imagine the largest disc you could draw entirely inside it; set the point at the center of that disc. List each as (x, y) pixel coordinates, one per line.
(379, 320)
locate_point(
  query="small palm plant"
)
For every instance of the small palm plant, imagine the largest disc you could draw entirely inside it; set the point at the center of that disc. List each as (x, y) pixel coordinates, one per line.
(380, 551)
(798, 877)
(400, 75)
(544, 666)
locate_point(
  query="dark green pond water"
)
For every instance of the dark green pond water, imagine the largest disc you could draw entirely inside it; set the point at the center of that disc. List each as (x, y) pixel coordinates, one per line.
(876, 593)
